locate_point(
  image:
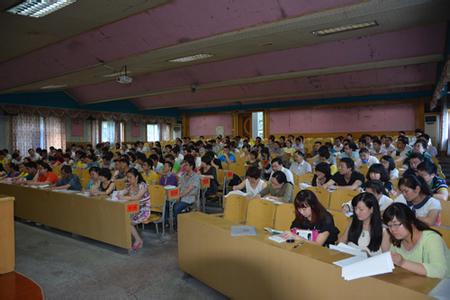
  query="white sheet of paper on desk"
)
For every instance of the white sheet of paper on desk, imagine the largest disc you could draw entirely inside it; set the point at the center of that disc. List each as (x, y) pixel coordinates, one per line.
(277, 239)
(344, 248)
(242, 230)
(348, 261)
(237, 193)
(169, 187)
(375, 265)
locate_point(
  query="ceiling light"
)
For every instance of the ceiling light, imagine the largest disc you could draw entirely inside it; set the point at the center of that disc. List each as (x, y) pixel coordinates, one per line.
(53, 86)
(343, 28)
(191, 58)
(38, 8)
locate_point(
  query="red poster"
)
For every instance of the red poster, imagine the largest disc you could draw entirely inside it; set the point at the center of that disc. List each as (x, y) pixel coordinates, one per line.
(132, 208)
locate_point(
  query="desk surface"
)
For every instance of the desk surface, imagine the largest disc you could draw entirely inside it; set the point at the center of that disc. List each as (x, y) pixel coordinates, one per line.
(219, 229)
(92, 217)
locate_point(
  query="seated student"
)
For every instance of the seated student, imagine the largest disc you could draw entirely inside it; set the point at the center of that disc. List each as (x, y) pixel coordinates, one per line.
(349, 151)
(376, 149)
(289, 148)
(298, 145)
(388, 146)
(227, 156)
(106, 186)
(420, 147)
(417, 195)
(150, 176)
(439, 188)
(378, 172)
(278, 188)
(31, 169)
(402, 148)
(253, 160)
(245, 152)
(277, 165)
(136, 190)
(44, 175)
(189, 186)
(68, 180)
(415, 246)
(413, 161)
(347, 177)
(311, 215)
(365, 159)
(366, 229)
(207, 170)
(324, 155)
(167, 177)
(431, 150)
(94, 182)
(253, 183)
(300, 166)
(322, 174)
(315, 149)
(389, 164)
(376, 188)
(122, 167)
(337, 145)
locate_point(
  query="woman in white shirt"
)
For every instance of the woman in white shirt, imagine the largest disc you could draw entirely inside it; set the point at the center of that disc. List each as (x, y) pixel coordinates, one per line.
(300, 166)
(253, 183)
(366, 229)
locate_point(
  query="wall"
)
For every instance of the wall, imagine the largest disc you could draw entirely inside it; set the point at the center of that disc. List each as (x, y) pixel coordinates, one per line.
(135, 134)
(5, 132)
(366, 118)
(85, 137)
(206, 124)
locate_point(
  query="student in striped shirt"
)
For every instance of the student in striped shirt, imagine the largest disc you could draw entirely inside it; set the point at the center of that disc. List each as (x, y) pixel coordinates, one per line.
(437, 185)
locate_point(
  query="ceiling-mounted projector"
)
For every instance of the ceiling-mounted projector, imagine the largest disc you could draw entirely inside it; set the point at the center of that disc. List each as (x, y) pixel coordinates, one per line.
(123, 77)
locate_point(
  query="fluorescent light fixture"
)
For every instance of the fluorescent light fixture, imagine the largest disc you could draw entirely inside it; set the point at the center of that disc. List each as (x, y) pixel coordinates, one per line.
(38, 8)
(191, 58)
(53, 86)
(343, 28)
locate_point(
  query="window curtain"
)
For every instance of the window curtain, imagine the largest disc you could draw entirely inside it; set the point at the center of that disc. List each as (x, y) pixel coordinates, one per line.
(165, 132)
(25, 132)
(55, 132)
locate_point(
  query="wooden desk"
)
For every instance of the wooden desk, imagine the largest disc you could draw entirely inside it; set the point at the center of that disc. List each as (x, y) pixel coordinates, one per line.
(15, 286)
(92, 217)
(7, 240)
(256, 268)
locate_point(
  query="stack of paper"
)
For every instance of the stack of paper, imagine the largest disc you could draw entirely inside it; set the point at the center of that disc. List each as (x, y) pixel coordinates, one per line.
(272, 231)
(341, 247)
(241, 230)
(375, 265)
(277, 238)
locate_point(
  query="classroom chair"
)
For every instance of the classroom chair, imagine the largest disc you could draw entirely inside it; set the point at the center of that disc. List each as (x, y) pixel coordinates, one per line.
(445, 213)
(235, 208)
(305, 178)
(120, 184)
(340, 221)
(158, 207)
(340, 196)
(260, 213)
(322, 195)
(284, 216)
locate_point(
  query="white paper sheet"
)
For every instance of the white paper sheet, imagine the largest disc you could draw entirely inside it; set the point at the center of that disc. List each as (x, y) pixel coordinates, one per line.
(341, 247)
(375, 265)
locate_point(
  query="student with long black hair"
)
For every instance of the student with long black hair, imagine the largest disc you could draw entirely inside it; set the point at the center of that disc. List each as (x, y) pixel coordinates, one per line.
(366, 229)
(311, 215)
(415, 246)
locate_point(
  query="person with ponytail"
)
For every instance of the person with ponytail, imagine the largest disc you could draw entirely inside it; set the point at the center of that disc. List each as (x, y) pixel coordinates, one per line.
(136, 190)
(417, 196)
(415, 246)
(366, 229)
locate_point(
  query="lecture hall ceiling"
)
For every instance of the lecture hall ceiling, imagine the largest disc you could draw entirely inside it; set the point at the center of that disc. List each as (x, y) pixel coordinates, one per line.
(263, 50)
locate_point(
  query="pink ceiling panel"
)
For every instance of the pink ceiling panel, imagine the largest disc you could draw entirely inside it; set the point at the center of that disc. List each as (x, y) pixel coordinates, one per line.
(363, 79)
(170, 24)
(388, 46)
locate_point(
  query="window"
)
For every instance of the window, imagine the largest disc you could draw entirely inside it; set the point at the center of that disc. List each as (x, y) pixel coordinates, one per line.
(176, 132)
(108, 131)
(32, 131)
(258, 124)
(152, 132)
(122, 132)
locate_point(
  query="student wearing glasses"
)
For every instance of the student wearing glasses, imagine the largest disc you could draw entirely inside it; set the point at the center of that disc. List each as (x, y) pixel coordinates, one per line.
(415, 246)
